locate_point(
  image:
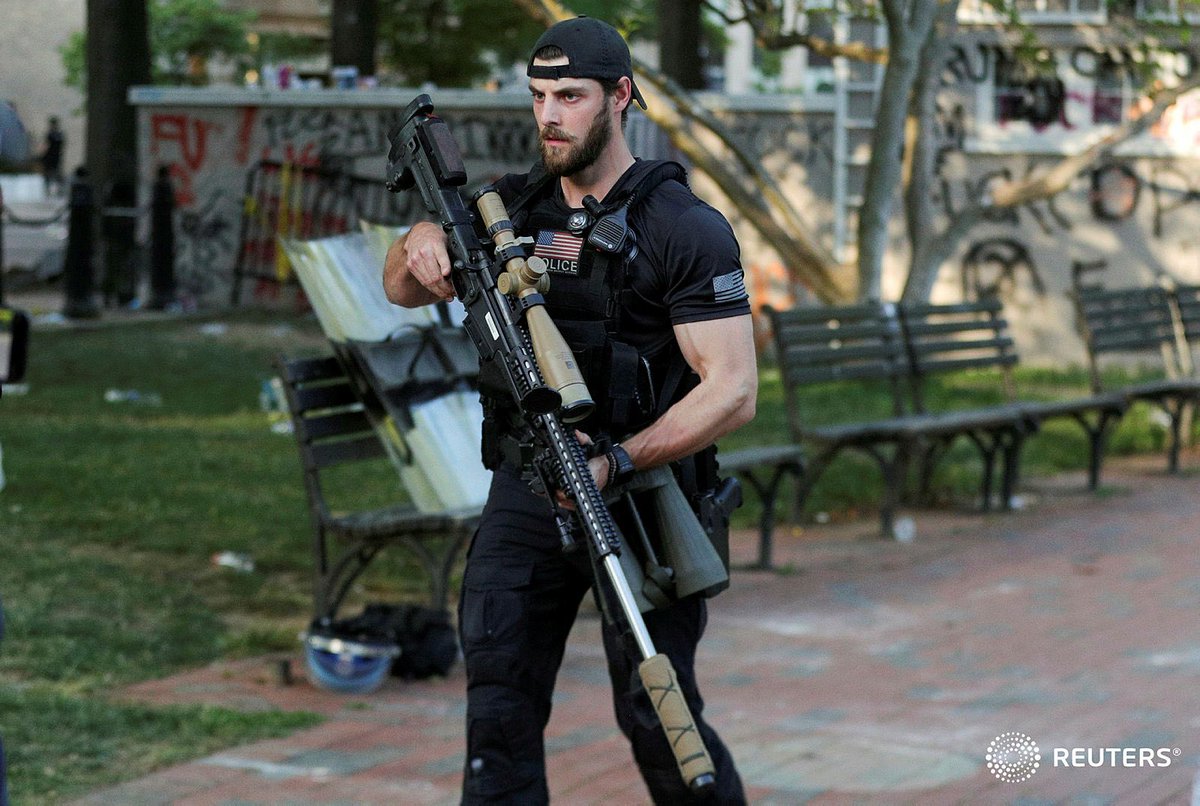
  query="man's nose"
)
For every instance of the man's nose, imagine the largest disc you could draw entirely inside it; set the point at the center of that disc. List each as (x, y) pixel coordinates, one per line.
(551, 112)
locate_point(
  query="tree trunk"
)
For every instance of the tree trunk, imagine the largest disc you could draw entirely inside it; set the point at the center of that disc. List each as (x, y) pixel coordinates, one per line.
(905, 40)
(922, 157)
(118, 57)
(353, 34)
(679, 42)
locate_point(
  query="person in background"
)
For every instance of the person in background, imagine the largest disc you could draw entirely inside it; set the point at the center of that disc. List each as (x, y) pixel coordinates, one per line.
(52, 155)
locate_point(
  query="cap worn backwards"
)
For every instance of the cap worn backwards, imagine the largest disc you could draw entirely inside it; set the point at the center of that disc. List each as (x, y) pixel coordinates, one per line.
(594, 49)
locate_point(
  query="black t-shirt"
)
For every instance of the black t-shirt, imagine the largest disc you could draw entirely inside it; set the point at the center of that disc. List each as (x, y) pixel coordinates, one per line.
(687, 268)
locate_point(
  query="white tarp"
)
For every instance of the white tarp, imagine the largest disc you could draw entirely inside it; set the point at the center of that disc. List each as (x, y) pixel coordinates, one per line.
(438, 458)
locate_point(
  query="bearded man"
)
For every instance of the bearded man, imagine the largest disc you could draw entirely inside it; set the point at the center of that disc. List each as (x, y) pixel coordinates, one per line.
(660, 323)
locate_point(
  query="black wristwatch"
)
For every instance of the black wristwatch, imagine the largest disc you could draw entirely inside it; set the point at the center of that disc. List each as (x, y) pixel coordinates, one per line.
(620, 466)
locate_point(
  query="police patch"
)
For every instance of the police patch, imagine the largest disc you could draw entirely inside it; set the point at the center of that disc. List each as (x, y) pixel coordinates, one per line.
(729, 287)
(559, 249)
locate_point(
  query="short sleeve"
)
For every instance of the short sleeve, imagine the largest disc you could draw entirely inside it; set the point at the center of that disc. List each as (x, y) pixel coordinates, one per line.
(705, 278)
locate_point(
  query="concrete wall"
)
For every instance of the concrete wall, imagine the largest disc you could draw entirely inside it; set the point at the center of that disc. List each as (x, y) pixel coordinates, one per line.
(211, 138)
(31, 71)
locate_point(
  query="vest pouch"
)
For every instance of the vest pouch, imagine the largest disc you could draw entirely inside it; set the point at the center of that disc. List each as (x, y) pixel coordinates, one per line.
(630, 389)
(610, 369)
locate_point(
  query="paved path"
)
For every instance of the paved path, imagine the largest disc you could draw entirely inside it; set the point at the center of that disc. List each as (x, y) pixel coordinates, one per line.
(873, 672)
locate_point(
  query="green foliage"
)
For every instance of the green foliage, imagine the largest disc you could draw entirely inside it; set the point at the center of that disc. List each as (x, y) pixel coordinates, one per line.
(194, 29)
(73, 53)
(179, 30)
(457, 43)
(277, 47)
(451, 43)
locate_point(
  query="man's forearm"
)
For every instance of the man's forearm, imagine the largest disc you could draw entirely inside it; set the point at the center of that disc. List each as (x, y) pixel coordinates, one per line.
(707, 413)
(399, 285)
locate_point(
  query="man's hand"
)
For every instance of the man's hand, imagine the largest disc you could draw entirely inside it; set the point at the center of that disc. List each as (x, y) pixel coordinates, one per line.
(598, 465)
(417, 269)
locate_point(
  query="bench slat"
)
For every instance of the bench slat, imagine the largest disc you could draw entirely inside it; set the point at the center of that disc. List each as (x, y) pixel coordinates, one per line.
(324, 397)
(336, 424)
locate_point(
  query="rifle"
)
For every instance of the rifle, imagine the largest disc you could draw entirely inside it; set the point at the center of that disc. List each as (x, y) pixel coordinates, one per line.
(507, 321)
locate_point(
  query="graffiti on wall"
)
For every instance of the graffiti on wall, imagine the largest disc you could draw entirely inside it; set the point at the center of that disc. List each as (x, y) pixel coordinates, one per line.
(1035, 90)
(212, 155)
(809, 143)
(204, 234)
(992, 267)
(1095, 91)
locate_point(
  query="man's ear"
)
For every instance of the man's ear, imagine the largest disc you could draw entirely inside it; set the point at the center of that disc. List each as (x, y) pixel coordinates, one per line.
(623, 96)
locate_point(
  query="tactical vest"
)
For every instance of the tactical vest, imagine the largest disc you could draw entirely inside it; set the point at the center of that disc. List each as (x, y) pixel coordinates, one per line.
(589, 258)
(589, 253)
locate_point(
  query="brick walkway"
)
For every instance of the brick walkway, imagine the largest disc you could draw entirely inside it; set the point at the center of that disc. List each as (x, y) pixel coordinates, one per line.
(872, 672)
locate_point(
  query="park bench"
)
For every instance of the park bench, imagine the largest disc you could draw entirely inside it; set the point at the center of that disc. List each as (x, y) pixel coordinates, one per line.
(862, 345)
(945, 339)
(1144, 322)
(764, 469)
(333, 427)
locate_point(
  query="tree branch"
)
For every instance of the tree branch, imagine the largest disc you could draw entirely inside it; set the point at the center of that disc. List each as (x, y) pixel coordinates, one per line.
(1047, 183)
(739, 175)
(822, 47)
(728, 20)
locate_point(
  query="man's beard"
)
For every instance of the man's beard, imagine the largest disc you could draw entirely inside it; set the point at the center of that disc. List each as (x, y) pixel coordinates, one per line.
(574, 158)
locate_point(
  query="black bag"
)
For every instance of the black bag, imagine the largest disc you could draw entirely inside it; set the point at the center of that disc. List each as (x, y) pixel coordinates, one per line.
(427, 641)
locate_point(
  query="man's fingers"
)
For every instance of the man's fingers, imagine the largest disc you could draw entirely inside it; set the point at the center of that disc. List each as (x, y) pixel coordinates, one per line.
(431, 267)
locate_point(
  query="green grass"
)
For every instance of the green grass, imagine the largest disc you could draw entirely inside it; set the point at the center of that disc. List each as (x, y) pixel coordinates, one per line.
(61, 745)
(113, 511)
(108, 523)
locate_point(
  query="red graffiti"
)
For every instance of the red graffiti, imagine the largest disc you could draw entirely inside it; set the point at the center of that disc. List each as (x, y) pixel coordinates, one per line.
(191, 135)
(244, 131)
(182, 179)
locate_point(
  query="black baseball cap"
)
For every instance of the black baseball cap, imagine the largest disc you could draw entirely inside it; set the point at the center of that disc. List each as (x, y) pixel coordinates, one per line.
(594, 49)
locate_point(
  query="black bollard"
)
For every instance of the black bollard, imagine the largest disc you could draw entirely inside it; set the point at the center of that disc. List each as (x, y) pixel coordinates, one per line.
(162, 241)
(77, 263)
(118, 223)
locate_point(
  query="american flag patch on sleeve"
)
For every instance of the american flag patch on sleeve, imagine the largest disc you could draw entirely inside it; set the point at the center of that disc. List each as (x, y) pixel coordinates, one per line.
(729, 287)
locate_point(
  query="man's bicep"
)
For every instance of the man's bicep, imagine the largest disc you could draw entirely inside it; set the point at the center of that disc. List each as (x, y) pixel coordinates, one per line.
(720, 348)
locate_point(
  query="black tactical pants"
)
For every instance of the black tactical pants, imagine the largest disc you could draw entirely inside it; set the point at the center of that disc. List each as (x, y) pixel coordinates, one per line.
(520, 597)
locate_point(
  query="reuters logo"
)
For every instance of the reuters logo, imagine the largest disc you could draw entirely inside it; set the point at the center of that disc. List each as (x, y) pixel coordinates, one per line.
(1013, 757)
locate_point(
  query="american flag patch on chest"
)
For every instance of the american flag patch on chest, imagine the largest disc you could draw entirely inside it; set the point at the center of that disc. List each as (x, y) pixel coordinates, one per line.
(559, 249)
(729, 287)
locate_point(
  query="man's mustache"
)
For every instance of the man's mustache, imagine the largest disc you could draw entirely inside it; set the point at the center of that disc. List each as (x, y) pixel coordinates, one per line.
(551, 133)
